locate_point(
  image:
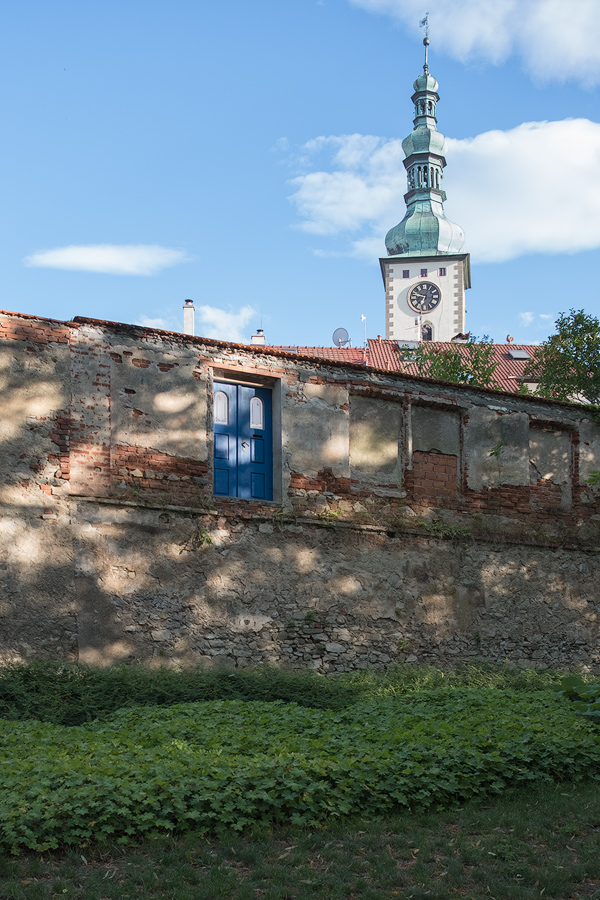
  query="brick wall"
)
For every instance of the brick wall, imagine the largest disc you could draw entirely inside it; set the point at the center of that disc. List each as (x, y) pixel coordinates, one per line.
(433, 477)
(156, 475)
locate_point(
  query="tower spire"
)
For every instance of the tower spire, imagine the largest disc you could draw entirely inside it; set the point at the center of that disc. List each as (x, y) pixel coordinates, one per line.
(425, 230)
(424, 23)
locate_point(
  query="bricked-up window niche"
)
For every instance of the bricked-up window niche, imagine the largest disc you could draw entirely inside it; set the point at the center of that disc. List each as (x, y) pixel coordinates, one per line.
(434, 458)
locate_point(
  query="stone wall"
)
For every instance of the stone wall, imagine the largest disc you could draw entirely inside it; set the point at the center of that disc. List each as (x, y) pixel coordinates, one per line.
(185, 588)
(412, 520)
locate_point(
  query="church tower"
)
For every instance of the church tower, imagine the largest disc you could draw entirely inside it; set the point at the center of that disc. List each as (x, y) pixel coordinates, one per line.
(425, 274)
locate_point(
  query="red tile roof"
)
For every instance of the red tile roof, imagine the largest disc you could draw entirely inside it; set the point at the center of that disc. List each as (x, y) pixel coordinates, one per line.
(383, 354)
(356, 355)
(508, 374)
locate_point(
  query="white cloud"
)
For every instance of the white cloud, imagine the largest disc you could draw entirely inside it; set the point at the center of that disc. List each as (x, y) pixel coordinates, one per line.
(526, 318)
(367, 179)
(108, 259)
(225, 325)
(281, 144)
(533, 189)
(168, 324)
(556, 39)
(546, 316)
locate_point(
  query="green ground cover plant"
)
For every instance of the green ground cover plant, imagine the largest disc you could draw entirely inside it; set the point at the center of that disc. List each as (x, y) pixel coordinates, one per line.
(233, 763)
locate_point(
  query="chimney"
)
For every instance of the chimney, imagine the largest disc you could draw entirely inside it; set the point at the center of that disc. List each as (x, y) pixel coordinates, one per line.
(258, 337)
(188, 317)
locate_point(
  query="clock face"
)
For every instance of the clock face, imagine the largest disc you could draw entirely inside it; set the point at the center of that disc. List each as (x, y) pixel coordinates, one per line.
(424, 297)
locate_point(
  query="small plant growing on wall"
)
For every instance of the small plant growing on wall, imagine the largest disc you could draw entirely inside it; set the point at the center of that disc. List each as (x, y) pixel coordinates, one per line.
(495, 452)
(594, 476)
(200, 538)
(444, 531)
(329, 514)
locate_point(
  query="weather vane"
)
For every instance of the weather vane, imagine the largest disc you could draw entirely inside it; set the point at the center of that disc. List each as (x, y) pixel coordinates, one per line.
(424, 23)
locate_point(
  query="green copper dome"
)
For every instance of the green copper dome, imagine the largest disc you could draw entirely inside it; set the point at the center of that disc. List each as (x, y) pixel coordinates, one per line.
(425, 230)
(426, 82)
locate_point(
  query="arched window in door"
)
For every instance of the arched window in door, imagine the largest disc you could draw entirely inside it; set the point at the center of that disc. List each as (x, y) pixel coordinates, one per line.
(221, 408)
(257, 413)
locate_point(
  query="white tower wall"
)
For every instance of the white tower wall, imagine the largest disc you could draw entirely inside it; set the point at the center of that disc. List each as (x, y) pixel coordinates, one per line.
(448, 318)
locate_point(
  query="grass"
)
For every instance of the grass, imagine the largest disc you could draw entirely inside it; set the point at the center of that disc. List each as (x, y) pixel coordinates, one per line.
(541, 843)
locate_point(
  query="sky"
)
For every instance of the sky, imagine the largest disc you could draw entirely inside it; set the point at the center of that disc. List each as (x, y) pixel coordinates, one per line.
(248, 156)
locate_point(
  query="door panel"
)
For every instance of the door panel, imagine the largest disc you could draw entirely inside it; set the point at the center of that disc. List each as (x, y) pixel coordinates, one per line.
(243, 447)
(221, 481)
(221, 446)
(257, 448)
(225, 445)
(257, 482)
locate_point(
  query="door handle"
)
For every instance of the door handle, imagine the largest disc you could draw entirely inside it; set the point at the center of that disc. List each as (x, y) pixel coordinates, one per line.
(245, 445)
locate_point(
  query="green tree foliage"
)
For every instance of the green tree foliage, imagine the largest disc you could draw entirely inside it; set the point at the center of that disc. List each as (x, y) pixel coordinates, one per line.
(567, 365)
(466, 363)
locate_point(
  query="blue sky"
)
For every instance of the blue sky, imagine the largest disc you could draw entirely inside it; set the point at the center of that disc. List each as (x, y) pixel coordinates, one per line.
(246, 155)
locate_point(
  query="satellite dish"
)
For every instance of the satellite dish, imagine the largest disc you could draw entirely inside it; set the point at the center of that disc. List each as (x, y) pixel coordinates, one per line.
(340, 337)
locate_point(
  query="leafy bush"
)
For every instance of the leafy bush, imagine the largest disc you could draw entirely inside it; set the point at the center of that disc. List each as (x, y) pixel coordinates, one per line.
(585, 697)
(231, 763)
(72, 695)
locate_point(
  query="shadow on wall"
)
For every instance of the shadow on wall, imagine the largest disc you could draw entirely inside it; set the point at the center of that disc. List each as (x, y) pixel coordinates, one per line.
(121, 584)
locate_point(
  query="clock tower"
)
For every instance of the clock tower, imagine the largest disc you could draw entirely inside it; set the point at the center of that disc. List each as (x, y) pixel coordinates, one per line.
(425, 273)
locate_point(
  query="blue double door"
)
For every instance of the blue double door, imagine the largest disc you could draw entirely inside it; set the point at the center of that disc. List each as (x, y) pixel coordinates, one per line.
(243, 441)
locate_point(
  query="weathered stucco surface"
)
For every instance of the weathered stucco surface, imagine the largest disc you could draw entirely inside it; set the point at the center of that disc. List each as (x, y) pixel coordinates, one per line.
(435, 430)
(375, 439)
(156, 401)
(497, 447)
(316, 429)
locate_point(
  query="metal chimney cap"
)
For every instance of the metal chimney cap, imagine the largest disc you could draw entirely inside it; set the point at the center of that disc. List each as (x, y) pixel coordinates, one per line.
(189, 302)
